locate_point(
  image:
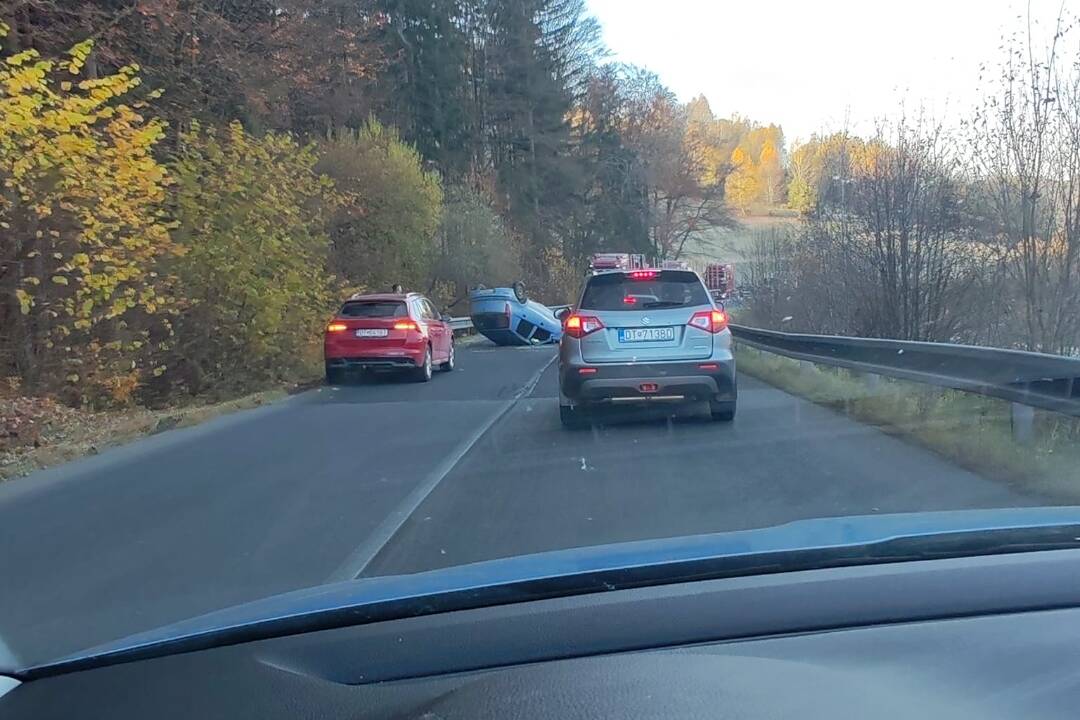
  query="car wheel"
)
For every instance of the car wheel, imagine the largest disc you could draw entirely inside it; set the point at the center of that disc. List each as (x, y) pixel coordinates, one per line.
(722, 411)
(572, 418)
(519, 292)
(449, 364)
(423, 373)
(334, 376)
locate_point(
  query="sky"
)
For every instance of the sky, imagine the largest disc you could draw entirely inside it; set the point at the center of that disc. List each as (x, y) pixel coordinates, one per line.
(821, 65)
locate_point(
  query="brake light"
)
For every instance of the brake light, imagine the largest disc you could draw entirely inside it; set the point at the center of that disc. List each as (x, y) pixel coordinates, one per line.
(629, 300)
(578, 326)
(709, 320)
(336, 327)
(643, 275)
(406, 325)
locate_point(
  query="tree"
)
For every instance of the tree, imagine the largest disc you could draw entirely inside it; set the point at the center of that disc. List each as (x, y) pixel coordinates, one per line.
(251, 212)
(743, 187)
(684, 187)
(383, 233)
(291, 64)
(770, 171)
(82, 224)
(888, 249)
(474, 246)
(1025, 142)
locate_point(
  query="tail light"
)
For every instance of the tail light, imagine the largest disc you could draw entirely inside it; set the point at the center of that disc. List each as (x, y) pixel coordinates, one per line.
(709, 320)
(336, 327)
(406, 325)
(578, 326)
(643, 275)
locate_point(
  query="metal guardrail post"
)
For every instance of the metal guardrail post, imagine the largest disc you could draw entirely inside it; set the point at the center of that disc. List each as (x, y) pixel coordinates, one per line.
(873, 383)
(1023, 423)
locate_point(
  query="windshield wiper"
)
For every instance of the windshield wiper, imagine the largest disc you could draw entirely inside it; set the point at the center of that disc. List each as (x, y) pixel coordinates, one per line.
(662, 304)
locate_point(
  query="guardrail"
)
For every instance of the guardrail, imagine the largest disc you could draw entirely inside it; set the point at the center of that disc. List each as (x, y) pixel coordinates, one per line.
(1027, 379)
(461, 324)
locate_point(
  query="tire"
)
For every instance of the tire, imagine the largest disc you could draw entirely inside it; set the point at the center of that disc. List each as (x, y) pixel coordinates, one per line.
(422, 374)
(722, 411)
(448, 366)
(519, 292)
(334, 376)
(573, 418)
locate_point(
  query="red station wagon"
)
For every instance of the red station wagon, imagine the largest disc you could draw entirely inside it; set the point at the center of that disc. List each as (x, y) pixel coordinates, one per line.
(401, 332)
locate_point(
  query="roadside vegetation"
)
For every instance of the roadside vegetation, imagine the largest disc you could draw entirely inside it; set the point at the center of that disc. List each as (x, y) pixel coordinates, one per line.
(188, 189)
(970, 430)
(944, 233)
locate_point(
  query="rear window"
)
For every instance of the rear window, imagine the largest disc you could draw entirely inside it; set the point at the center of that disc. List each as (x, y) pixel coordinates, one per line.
(668, 289)
(374, 309)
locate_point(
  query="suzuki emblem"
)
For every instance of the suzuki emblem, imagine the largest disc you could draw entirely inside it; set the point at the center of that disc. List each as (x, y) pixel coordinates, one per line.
(644, 321)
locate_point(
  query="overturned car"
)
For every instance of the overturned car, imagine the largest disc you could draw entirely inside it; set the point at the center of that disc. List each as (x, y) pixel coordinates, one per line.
(506, 316)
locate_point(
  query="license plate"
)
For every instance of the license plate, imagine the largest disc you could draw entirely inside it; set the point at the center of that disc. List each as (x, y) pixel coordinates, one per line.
(629, 335)
(372, 333)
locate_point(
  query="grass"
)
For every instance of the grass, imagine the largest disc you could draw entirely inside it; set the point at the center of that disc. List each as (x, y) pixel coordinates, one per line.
(970, 430)
(88, 433)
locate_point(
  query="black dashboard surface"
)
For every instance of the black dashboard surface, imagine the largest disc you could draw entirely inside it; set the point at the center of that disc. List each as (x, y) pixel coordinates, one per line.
(995, 637)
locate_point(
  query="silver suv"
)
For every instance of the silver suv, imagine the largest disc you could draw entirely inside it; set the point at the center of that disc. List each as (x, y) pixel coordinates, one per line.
(645, 336)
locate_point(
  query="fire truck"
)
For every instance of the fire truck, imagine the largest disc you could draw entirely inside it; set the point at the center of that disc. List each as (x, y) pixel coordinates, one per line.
(615, 261)
(720, 280)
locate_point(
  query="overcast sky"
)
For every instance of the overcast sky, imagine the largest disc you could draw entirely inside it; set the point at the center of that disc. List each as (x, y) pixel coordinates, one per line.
(819, 64)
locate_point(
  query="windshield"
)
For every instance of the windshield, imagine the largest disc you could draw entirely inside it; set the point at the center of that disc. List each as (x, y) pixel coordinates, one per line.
(303, 292)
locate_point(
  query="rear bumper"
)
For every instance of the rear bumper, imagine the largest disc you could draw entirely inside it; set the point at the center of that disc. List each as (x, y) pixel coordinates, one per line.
(682, 381)
(383, 359)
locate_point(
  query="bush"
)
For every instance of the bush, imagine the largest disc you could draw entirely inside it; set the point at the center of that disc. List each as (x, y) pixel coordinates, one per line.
(251, 212)
(383, 233)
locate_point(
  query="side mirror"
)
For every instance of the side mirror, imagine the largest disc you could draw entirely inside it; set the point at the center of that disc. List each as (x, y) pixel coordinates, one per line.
(562, 313)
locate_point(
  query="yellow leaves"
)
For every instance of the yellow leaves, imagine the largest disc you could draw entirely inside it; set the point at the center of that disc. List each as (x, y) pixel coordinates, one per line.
(25, 301)
(740, 158)
(59, 279)
(19, 59)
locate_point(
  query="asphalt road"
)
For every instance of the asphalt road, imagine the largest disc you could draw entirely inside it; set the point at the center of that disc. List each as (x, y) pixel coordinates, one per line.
(387, 477)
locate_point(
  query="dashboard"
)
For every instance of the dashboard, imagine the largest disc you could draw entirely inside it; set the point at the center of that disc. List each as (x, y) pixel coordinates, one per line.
(981, 637)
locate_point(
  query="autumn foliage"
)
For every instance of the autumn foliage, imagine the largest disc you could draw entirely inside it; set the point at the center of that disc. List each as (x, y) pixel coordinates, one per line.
(84, 225)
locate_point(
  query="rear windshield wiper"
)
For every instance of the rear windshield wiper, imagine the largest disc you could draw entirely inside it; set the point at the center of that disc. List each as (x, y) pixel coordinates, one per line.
(662, 304)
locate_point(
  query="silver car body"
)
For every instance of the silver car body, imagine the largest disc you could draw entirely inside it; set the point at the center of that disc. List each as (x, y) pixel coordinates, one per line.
(620, 364)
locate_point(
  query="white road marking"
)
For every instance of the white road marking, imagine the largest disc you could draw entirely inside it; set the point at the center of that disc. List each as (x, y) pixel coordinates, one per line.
(361, 557)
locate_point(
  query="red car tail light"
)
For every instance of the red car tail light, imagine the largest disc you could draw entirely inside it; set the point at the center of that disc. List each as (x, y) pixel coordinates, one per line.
(336, 327)
(406, 325)
(709, 320)
(644, 275)
(578, 326)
